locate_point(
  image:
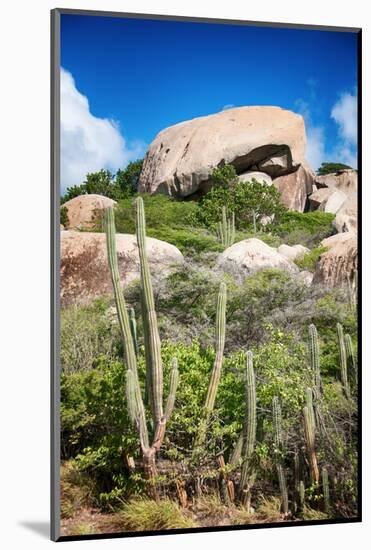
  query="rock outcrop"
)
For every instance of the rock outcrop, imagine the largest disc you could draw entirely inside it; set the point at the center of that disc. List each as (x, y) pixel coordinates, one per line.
(84, 266)
(83, 210)
(339, 263)
(344, 180)
(347, 216)
(252, 255)
(181, 158)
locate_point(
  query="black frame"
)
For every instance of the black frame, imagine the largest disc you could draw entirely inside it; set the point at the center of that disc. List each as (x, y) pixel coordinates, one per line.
(55, 281)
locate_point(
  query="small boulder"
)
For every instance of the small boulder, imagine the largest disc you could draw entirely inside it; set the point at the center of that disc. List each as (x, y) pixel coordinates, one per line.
(252, 255)
(292, 253)
(339, 263)
(84, 270)
(82, 211)
(260, 177)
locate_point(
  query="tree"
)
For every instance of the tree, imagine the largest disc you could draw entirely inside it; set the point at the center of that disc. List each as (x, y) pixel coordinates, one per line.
(128, 179)
(331, 167)
(116, 187)
(251, 201)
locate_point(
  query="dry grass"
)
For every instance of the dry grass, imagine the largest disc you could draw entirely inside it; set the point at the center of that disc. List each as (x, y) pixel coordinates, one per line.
(147, 515)
(77, 490)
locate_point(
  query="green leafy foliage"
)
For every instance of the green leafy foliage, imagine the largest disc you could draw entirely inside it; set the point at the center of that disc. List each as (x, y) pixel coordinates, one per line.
(308, 261)
(331, 167)
(252, 202)
(116, 187)
(308, 228)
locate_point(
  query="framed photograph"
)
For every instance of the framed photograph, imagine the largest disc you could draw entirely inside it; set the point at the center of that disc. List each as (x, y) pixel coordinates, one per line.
(206, 188)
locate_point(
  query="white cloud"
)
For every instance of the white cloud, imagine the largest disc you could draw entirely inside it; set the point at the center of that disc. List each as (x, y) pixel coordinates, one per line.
(344, 112)
(88, 143)
(315, 149)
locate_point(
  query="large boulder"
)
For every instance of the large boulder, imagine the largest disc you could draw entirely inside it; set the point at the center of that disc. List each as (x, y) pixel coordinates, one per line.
(84, 210)
(84, 265)
(260, 177)
(347, 216)
(181, 158)
(339, 263)
(251, 255)
(294, 188)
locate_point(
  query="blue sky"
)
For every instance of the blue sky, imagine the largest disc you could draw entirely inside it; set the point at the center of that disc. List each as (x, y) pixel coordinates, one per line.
(124, 80)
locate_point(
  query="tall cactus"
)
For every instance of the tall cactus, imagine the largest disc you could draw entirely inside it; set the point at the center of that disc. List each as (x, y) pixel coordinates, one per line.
(150, 328)
(315, 358)
(135, 404)
(351, 358)
(301, 495)
(226, 230)
(326, 491)
(217, 368)
(249, 433)
(343, 360)
(278, 441)
(133, 328)
(309, 434)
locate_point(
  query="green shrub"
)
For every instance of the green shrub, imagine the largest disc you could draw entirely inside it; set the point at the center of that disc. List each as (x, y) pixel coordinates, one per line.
(308, 261)
(86, 333)
(250, 201)
(307, 228)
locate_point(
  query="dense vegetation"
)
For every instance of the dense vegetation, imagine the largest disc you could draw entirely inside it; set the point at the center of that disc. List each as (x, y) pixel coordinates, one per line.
(302, 348)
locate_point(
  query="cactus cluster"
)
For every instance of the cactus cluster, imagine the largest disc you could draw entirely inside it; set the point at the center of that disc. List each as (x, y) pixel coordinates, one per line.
(226, 231)
(249, 433)
(326, 491)
(136, 409)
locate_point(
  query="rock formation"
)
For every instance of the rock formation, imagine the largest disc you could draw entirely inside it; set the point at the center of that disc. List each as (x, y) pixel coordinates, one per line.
(181, 158)
(338, 265)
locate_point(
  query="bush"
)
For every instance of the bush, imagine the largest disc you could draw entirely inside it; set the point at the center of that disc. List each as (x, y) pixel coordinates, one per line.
(308, 261)
(308, 228)
(250, 201)
(87, 332)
